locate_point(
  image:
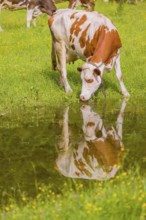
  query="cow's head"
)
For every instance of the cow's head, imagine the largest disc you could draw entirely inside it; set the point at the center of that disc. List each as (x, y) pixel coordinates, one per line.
(91, 80)
(47, 6)
(90, 121)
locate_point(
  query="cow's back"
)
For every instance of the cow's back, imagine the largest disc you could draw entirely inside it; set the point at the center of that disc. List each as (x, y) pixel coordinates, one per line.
(86, 33)
(77, 21)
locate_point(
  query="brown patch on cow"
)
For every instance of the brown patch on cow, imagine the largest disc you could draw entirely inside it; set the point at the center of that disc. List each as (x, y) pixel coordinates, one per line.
(75, 28)
(90, 124)
(50, 21)
(71, 2)
(107, 45)
(84, 3)
(89, 80)
(103, 46)
(73, 15)
(77, 173)
(82, 39)
(90, 46)
(73, 46)
(105, 152)
(32, 4)
(81, 166)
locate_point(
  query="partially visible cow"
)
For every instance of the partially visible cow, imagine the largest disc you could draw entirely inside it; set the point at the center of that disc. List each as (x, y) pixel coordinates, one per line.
(99, 155)
(34, 8)
(89, 36)
(87, 4)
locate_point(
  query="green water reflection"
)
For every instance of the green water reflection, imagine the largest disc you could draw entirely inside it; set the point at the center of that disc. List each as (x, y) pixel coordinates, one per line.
(51, 146)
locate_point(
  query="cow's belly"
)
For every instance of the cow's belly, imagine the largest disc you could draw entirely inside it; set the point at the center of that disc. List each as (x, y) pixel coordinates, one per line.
(74, 52)
(71, 56)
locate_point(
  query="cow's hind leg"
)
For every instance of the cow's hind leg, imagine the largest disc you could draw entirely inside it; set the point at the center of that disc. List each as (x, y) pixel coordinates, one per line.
(53, 56)
(120, 77)
(36, 13)
(0, 17)
(61, 54)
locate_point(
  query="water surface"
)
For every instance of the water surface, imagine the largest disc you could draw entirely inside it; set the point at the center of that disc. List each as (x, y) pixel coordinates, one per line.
(88, 142)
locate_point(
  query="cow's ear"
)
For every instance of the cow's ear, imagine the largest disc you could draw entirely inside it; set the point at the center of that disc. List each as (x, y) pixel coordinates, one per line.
(79, 69)
(96, 72)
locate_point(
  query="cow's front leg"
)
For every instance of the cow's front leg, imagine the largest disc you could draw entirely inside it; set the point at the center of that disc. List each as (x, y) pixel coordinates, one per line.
(29, 16)
(61, 54)
(120, 77)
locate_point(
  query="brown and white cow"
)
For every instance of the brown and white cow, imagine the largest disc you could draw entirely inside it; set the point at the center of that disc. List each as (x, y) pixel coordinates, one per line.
(87, 4)
(99, 155)
(34, 8)
(89, 36)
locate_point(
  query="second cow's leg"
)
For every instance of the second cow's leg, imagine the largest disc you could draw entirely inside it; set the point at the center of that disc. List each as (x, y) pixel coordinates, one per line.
(36, 13)
(61, 54)
(0, 17)
(29, 16)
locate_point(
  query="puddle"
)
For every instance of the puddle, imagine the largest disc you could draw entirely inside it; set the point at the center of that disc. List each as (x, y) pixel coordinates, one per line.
(86, 142)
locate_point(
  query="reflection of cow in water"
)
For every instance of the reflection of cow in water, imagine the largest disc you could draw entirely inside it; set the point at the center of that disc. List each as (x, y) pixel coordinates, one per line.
(98, 156)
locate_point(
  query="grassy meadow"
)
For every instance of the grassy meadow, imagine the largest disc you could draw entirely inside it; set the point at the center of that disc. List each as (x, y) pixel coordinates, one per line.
(25, 62)
(27, 81)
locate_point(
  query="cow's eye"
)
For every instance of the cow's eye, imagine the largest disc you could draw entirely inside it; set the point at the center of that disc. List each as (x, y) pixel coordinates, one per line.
(89, 80)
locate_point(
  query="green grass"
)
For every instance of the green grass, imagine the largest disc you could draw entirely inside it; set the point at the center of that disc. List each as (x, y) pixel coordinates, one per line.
(25, 63)
(121, 198)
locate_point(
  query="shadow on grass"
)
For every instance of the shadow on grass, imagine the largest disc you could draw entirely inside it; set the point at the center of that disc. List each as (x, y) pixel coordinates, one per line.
(73, 77)
(111, 85)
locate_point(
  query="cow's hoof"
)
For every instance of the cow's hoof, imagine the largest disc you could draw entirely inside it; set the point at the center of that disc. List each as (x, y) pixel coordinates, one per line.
(68, 91)
(126, 95)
